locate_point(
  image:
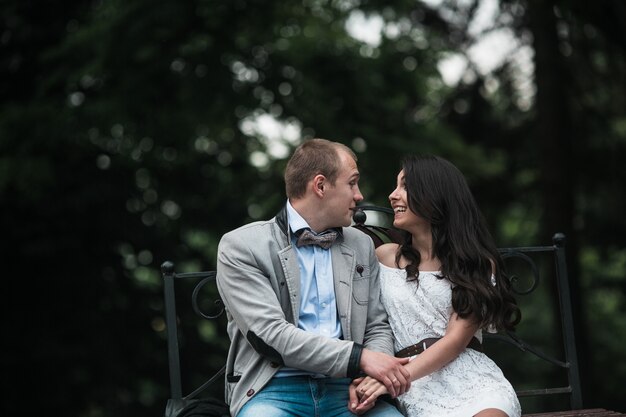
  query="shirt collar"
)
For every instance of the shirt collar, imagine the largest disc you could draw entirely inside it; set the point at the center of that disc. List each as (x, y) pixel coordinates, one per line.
(295, 220)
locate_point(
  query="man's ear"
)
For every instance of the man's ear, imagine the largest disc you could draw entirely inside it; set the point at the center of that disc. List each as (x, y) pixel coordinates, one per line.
(319, 182)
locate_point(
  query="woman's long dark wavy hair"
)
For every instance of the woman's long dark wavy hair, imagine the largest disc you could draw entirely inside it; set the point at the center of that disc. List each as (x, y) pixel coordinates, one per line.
(438, 192)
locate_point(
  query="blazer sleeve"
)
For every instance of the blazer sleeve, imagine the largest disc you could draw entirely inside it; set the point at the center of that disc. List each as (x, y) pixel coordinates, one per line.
(243, 279)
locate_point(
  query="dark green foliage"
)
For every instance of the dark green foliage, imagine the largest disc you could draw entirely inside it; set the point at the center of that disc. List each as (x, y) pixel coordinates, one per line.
(126, 138)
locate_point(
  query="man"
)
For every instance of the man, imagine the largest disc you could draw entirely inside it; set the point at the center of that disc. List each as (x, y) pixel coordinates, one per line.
(305, 319)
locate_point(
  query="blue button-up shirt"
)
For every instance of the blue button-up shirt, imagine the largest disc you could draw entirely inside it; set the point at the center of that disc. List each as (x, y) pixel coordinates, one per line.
(318, 305)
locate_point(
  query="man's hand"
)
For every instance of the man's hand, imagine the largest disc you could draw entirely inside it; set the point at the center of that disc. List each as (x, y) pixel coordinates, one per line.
(388, 370)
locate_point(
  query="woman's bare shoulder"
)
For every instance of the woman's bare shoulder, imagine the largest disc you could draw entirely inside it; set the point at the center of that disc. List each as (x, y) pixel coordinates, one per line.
(386, 254)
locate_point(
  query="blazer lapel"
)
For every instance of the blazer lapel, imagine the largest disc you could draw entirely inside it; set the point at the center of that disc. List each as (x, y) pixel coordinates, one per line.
(343, 265)
(291, 271)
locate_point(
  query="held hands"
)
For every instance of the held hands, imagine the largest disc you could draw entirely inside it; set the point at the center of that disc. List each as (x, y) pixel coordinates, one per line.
(363, 394)
(388, 370)
(394, 379)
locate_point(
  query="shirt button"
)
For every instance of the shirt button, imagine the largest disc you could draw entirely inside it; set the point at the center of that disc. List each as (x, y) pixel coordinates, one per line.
(274, 364)
(250, 393)
(324, 305)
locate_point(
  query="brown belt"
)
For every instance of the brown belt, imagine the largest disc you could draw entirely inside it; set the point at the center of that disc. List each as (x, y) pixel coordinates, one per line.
(418, 348)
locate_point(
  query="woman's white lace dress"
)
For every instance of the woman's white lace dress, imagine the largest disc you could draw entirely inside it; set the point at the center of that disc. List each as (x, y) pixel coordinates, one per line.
(470, 383)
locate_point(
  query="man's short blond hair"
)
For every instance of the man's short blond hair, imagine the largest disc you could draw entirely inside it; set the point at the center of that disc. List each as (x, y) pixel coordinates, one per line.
(313, 157)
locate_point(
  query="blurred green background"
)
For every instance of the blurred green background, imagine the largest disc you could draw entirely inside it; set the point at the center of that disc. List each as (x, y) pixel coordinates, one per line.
(135, 131)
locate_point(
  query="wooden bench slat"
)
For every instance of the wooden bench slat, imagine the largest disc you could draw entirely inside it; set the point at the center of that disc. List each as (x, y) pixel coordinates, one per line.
(592, 412)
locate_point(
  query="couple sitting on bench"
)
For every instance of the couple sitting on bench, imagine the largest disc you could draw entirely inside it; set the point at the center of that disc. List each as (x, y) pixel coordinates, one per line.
(322, 323)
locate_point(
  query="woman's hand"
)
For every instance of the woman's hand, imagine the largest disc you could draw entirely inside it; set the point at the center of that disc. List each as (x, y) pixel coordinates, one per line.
(354, 401)
(363, 394)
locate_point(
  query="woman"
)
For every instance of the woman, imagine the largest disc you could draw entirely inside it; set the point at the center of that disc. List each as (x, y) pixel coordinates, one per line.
(441, 287)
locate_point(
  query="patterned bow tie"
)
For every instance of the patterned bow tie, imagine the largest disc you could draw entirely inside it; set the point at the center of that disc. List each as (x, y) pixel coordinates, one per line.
(323, 240)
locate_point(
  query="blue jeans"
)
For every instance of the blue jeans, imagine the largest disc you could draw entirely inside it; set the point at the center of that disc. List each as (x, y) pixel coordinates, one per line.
(303, 396)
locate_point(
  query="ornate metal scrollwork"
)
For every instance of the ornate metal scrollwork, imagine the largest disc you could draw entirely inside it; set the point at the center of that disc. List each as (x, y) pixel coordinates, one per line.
(508, 254)
(195, 294)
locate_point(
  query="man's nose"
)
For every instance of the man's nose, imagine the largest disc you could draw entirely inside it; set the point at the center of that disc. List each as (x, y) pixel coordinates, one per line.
(358, 196)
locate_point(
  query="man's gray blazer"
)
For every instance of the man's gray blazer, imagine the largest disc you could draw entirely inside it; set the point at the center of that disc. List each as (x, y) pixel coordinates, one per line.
(258, 278)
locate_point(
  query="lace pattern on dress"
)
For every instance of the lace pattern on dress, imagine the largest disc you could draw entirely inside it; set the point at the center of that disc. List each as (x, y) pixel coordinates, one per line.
(470, 383)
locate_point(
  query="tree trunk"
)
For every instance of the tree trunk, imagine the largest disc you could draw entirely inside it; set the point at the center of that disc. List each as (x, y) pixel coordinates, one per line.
(554, 135)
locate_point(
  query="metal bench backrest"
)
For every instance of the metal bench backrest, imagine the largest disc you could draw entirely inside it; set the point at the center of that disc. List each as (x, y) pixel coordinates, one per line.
(555, 254)
(177, 400)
